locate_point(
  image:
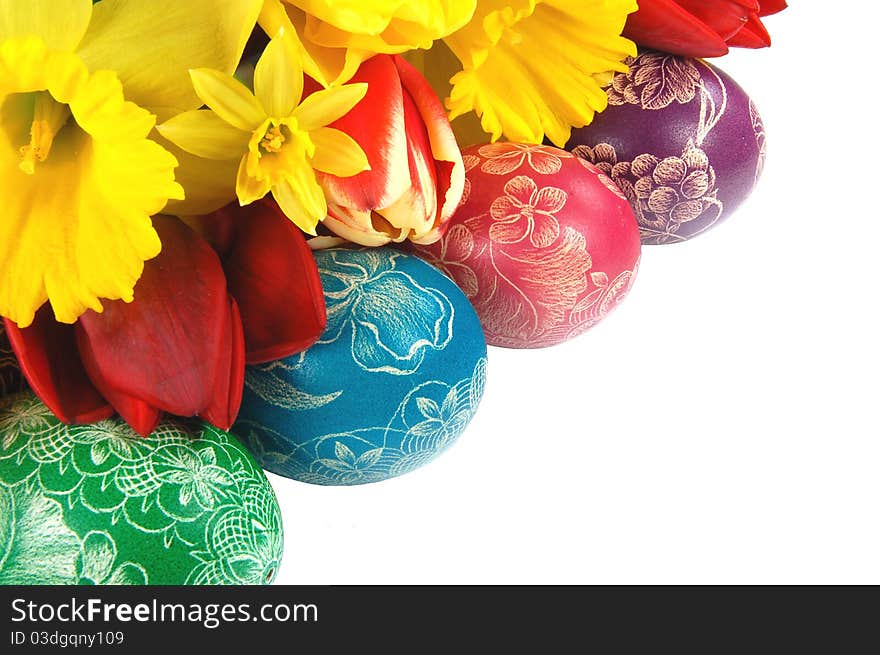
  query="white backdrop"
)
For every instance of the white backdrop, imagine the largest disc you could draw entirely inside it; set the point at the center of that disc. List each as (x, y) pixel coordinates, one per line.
(720, 427)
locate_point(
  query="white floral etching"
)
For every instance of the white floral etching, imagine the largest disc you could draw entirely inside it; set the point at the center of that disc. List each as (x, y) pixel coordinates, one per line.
(179, 494)
(760, 138)
(674, 198)
(393, 321)
(97, 563)
(665, 194)
(269, 382)
(530, 276)
(526, 211)
(505, 158)
(36, 546)
(426, 422)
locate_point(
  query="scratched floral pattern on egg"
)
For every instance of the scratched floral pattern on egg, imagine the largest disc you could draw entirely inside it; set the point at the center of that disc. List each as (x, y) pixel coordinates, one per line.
(665, 194)
(98, 504)
(11, 380)
(682, 141)
(392, 383)
(361, 288)
(520, 245)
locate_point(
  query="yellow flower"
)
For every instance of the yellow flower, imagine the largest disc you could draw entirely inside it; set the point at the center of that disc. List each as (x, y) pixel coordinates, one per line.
(79, 177)
(278, 141)
(337, 36)
(535, 67)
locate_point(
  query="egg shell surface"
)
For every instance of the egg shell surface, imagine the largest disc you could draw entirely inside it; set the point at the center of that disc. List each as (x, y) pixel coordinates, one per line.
(97, 504)
(544, 244)
(681, 139)
(393, 381)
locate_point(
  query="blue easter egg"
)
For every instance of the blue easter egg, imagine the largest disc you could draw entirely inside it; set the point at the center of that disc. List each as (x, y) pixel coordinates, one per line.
(393, 381)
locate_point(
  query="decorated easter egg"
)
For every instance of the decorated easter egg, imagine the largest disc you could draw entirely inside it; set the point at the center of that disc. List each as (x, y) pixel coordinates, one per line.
(681, 139)
(11, 380)
(97, 504)
(393, 381)
(544, 245)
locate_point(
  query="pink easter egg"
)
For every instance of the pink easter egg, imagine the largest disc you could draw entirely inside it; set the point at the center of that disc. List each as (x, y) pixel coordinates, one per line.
(544, 244)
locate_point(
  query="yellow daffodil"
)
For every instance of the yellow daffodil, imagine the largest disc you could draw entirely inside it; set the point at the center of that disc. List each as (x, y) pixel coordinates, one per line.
(532, 68)
(278, 141)
(337, 36)
(80, 88)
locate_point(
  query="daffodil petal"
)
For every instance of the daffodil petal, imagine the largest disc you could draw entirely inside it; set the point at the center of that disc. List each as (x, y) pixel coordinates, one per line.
(301, 199)
(209, 184)
(275, 20)
(510, 42)
(101, 110)
(249, 188)
(77, 228)
(340, 35)
(337, 153)
(229, 98)
(328, 105)
(278, 78)
(59, 23)
(204, 134)
(152, 45)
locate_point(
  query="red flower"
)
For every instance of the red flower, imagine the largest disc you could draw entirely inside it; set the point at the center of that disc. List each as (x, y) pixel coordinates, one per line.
(180, 346)
(701, 28)
(417, 176)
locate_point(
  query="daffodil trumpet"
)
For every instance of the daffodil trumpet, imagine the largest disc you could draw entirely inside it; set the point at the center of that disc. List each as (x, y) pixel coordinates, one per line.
(81, 175)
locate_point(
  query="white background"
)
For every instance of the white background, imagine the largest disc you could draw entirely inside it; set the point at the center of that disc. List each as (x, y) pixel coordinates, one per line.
(720, 427)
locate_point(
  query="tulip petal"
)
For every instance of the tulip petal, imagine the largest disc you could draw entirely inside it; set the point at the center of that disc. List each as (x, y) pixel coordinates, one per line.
(449, 167)
(337, 153)
(272, 274)
(366, 228)
(152, 45)
(229, 98)
(204, 134)
(226, 396)
(167, 348)
(48, 357)
(377, 124)
(278, 78)
(328, 105)
(769, 7)
(416, 210)
(140, 415)
(726, 17)
(752, 35)
(665, 25)
(61, 24)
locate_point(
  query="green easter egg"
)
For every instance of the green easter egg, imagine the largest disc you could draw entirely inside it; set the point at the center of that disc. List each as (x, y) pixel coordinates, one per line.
(97, 504)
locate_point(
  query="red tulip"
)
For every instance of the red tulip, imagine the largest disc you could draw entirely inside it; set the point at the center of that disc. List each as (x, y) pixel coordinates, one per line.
(701, 28)
(416, 179)
(180, 346)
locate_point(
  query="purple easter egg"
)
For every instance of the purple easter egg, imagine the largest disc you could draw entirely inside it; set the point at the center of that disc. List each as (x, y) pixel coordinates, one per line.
(681, 139)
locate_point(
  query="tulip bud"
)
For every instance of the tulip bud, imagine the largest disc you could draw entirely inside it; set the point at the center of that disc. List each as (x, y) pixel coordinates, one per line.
(416, 179)
(701, 28)
(178, 348)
